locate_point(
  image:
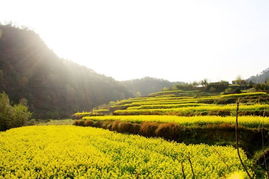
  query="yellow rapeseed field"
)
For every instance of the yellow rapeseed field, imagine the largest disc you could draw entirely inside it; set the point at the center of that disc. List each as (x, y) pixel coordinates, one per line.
(192, 110)
(249, 121)
(79, 152)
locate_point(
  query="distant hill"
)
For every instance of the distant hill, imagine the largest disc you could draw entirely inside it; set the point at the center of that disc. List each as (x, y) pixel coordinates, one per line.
(260, 78)
(53, 87)
(147, 85)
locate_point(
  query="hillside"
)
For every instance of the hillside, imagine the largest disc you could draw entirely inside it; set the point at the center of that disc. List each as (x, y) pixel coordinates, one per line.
(53, 87)
(260, 78)
(147, 85)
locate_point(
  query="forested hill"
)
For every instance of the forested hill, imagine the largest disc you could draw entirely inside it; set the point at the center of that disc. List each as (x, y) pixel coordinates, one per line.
(147, 85)
(260, 78)
(52, 86)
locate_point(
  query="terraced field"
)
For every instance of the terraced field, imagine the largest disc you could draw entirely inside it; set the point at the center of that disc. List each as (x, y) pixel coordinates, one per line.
(194, 143)
(190, 117)
(182, 103)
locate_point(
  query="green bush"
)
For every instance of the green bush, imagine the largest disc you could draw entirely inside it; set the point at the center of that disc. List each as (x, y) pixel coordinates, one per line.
(12, 116)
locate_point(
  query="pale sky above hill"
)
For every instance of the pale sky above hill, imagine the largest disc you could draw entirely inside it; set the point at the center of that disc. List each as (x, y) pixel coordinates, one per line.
(178, 40)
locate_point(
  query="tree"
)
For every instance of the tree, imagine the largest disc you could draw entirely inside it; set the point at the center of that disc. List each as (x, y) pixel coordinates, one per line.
(217, 86)
(204, 82)
(195, 84)
(239, 81)
(12, 116)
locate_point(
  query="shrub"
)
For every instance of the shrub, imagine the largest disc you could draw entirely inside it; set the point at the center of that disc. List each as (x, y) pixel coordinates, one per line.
(12, 116)
(97, 124)
(79, 122)
(125, 127)
(168, 131)
(136, 128)
(148, 128)
(114, 125)
(88, 123)
(106, 124)
(132, 128)
(119, 126)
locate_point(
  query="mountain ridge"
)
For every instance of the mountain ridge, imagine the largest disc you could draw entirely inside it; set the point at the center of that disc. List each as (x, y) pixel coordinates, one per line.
(261, 77)
(146, 85)
(53, 87)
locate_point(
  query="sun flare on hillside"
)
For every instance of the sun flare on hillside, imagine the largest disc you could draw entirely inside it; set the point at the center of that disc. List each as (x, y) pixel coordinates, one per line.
(176, 40)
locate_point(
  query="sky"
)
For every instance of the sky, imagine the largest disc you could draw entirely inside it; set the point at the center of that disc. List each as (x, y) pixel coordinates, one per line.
(177, 40)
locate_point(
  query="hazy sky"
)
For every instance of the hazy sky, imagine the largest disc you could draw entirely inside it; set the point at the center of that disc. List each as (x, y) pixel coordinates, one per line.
(179, 40)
